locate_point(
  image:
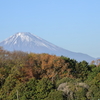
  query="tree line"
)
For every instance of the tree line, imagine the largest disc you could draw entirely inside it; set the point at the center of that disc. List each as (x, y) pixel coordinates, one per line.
(30, 76)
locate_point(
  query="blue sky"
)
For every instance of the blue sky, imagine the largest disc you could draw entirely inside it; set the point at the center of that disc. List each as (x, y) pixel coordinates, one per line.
(70, 24)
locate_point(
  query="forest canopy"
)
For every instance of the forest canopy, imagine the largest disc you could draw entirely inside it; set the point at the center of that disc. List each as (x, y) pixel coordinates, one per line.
(29, 76)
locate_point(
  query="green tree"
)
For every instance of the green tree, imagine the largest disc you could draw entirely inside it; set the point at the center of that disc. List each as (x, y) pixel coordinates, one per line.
(43, 88)
(55, 95)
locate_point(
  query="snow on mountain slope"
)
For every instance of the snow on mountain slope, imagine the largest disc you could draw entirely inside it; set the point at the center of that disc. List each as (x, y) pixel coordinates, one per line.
(28, 42)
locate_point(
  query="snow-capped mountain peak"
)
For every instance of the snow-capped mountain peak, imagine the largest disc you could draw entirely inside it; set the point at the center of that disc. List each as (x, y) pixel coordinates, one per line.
(25, 41)
(24, 36)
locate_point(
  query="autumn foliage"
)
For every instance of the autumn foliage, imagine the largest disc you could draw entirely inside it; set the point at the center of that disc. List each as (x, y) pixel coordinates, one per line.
(37, 76)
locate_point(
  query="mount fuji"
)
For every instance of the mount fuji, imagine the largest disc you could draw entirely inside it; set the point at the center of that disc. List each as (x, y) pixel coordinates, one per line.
(27, 42)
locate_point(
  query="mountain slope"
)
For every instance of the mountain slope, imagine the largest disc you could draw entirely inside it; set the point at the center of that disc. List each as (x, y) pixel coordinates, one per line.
(31, 43)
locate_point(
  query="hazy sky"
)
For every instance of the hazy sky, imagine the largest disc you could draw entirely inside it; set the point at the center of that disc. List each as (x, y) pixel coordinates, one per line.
(70, 24)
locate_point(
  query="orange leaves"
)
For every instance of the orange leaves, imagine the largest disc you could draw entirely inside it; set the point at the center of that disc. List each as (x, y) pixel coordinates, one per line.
(35, 65)
(97, 62)
(45, 65)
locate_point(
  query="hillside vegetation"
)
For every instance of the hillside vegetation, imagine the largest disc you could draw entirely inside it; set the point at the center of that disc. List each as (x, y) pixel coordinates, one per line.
(29, 76)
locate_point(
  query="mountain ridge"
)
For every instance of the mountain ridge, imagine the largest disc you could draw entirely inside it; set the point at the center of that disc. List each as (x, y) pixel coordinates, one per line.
(28, 42)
